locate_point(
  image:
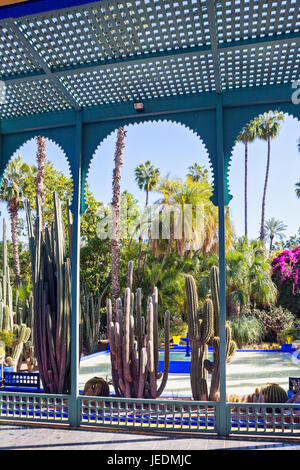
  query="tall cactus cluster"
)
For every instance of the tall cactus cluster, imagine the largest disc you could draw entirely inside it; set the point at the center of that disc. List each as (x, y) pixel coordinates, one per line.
(21, 336)
(24, 310)
(11, 320)
(203, 330)
(90, 315)
(6, 318)
(6, 296)
(24, 316)
(134, 345)
(51, 277)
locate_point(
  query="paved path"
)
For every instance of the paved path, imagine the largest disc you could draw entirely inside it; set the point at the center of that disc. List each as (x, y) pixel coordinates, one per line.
(15, 437)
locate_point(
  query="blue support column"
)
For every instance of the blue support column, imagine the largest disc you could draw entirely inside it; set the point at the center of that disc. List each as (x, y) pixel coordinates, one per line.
(74, 416)
(1, 155)
(222, 421)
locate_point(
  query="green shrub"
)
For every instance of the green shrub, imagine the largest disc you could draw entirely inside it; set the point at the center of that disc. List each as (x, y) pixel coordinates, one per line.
(275, 319)
(293, 331)
(177, 325)
(246, 329)
(7, 337)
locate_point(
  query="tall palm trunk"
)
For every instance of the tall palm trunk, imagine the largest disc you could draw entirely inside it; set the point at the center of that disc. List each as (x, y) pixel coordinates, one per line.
(271, 242)
(13, 211)
(246, 188)
(141, 270)
(166, 254)
(115, 241)
(262, 227)
(41, 162)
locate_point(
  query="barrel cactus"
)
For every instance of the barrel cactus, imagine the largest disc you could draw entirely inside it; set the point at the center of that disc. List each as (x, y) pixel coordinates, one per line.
(273, 393)
(96, 387)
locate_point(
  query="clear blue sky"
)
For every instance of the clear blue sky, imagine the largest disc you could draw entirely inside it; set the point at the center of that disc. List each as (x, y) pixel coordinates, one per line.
(173, 148)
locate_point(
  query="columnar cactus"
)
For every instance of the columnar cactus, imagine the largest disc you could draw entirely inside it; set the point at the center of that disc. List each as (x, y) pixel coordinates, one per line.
(6, 304)
(134, 345)
(21, 336)
(7, 318)
(214, 366)
(29, 356)
(24, 311)
(90, 315)
(203, 332)
(215, 289)
(51, 275)
(200, 331)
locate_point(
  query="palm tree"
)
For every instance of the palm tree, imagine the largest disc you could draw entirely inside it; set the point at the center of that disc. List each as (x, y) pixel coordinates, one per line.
(297, 189)
(197, 172)
(41, 163)
(268, 129)
(115, 241)
(16, 181)
(274, 229)
(147, 178)
(192, 230)
(248, 134)
(297, 185)
(248, 277)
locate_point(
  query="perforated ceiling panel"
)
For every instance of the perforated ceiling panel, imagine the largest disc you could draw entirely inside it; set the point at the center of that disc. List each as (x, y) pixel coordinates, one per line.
(34, 97)
(111, 30)
(13, 60)
(161, 77)
(245, 19)
(256, 66)
(114, 51)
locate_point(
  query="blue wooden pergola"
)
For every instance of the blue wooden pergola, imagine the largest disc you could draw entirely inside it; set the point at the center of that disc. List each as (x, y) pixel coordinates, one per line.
(72, 71)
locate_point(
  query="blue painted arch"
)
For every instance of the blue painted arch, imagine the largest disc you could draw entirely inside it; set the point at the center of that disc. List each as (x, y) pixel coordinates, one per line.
(62, 137)
(201, 123)
(234, 121)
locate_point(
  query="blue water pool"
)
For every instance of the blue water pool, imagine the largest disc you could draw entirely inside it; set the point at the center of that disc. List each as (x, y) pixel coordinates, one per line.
(246, 371)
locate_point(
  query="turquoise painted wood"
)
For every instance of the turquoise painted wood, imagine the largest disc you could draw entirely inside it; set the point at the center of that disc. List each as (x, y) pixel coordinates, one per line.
(73, 75)
(74, 418)
(197, 113)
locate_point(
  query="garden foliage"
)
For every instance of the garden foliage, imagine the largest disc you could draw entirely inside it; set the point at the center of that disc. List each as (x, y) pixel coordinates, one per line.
(285, 274)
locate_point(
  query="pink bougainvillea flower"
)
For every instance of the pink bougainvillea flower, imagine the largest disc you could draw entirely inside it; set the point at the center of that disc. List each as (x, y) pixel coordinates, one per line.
(287, 266)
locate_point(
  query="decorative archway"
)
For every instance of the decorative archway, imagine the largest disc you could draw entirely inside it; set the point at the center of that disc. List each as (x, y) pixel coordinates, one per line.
(201, 124)
(236, 118)
(62, 137)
